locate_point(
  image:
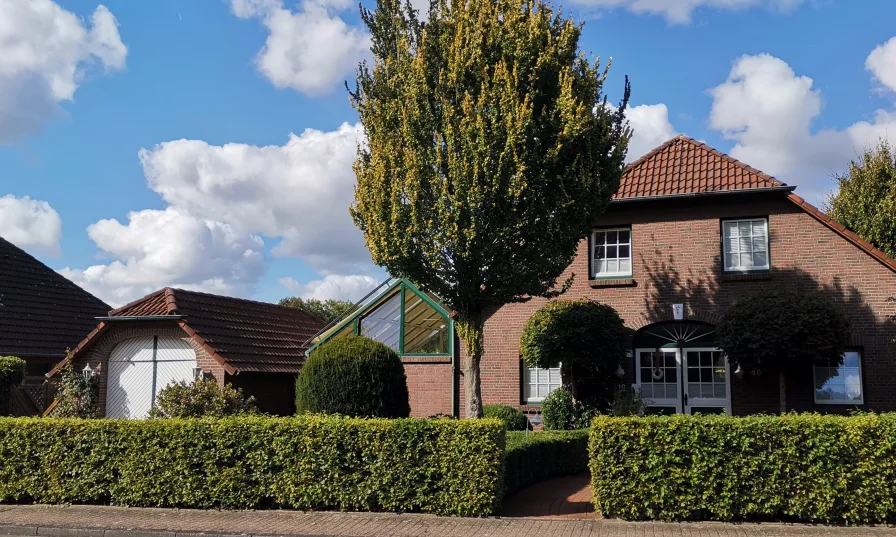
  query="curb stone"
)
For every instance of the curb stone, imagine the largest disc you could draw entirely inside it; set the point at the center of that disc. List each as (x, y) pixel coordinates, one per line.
(55, 531)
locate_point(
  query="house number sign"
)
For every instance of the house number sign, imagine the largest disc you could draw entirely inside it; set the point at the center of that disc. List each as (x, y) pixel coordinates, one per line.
(678, 311)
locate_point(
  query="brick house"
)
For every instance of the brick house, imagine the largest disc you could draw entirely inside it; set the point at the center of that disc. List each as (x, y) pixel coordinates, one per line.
(175, 335)
(690, 232)
(41, 314)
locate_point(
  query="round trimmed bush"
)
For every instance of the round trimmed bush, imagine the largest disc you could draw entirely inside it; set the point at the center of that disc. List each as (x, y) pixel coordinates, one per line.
(559, 411)
(353, 376)
(514, 419)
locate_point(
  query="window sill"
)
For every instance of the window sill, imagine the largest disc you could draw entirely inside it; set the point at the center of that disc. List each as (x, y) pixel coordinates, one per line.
(746, 276)
(612, 282)
(425, 359)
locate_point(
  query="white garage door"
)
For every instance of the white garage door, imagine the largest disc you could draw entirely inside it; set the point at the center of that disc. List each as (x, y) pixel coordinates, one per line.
(138, 370)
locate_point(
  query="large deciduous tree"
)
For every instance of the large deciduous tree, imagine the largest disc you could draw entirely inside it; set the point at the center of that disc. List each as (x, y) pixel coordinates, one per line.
(865, 200)
(490, 151)
(326, 310)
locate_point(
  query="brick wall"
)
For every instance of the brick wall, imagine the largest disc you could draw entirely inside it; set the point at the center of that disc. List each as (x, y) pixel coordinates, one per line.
(676, 260)
(98, 354)
(429, 385)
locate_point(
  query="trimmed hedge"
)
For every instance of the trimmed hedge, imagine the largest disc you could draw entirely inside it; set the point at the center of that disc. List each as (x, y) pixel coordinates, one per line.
(799, 466)
(307, 462)
(543, 455)
(353, 376)
(513, 418)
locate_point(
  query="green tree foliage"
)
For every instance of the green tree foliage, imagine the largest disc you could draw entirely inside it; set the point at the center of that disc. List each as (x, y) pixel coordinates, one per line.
(12, 373)
(513, 418)
(783, 331)
(326, 310)
(353, 376)
(561, 412)
(865, 200)
(587, 338)
(490, 151)
(202, 398)
(78, 397)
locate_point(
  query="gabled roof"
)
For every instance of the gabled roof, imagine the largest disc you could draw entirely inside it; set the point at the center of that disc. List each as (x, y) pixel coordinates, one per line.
(41, 312)
(683, 166)
(243, 335)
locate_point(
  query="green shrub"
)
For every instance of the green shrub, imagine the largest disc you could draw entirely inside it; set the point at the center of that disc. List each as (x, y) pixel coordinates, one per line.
(561, 412)
(628, 402)
(202, 398)
(797, 466)
(12, 373)
(529, 459)
(304, 462)
(353, 376)
(586, 338)
(514, 419)
(78, 397)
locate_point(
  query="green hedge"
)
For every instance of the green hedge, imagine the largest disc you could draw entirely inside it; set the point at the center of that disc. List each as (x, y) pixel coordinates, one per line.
(543, 455)
(306, 462)
(796, 467)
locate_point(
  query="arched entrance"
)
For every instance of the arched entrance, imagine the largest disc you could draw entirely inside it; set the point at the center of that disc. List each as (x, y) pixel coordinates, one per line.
(679, 370)
(138, 370)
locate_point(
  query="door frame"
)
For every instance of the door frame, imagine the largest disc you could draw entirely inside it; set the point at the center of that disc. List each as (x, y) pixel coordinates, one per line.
(681, 363)
(708, 403)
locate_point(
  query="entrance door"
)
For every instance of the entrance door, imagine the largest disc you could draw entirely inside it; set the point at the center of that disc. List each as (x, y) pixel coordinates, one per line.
(657, 374)
(706, 386)
(691, 380)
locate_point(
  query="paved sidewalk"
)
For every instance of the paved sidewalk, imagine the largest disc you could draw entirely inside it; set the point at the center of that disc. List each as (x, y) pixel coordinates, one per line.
(95, 521)
(562, 498)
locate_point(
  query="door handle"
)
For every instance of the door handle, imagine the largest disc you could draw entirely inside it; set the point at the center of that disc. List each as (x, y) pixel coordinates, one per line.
(685, 399)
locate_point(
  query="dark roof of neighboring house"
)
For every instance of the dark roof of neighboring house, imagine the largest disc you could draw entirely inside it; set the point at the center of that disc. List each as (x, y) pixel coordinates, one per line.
(41, 312)
(684, 166)
(243, 335)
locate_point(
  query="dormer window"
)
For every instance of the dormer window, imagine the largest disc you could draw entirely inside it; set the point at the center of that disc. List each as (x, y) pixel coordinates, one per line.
(612, 253)
(745, 245)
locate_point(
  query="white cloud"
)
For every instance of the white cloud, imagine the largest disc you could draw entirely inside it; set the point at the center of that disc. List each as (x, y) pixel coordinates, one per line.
(882, 64)
(300, 191)
(160, 248)
(44, 53)
(310, 50)
(680, 11)
(769, 111)
(651, 127)
(333, 286)
(30, 224)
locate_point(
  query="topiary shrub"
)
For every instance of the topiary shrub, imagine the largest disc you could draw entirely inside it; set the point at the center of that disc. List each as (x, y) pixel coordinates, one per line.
(202, 398)
(12, 373)
(783, 331)
(558, 411)
(514, 419)
(353, 376)
(587, 338)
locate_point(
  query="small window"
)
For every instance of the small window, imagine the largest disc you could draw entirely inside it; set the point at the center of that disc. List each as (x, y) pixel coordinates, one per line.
(745, 244)
(383, 324)
(840, 383)
(612, 255)
(540, 382)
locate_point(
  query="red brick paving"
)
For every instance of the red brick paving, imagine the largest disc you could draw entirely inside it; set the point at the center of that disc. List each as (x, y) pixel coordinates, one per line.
(561, 498)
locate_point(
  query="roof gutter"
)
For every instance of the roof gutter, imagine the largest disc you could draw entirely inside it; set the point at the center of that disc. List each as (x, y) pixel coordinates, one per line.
(136, 318)
(715, 193)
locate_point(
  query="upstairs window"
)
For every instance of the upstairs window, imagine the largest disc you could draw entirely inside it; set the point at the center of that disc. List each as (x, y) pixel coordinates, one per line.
(745, 244)
(612, 253)
(839, 383)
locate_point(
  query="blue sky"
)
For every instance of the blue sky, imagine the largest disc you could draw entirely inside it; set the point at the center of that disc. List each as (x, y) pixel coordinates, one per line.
(149, 143)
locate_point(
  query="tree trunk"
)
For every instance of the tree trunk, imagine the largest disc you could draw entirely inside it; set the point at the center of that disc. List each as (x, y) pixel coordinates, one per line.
(469, 330)
(782, 390)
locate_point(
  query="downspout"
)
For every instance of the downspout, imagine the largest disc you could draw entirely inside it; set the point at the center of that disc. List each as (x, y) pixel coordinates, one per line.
(455, 404)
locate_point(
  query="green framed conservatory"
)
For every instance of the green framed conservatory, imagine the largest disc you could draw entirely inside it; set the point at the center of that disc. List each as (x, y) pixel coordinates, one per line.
(410, 321)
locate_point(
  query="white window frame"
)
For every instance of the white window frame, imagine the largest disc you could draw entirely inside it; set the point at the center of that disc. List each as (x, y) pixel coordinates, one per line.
(725, 251)
(842, 402)
(529, 387)
(595, 259)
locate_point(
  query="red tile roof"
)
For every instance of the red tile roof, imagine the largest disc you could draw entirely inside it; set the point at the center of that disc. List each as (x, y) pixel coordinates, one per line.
(685, 166)
(41, 312)
(243, 335)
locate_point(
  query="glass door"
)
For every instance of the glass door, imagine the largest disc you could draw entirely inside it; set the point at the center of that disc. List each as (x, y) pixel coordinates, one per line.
(707, 387)
(657, 374)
